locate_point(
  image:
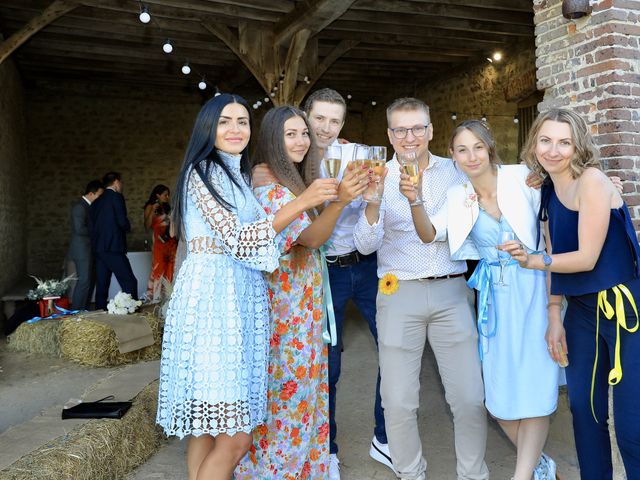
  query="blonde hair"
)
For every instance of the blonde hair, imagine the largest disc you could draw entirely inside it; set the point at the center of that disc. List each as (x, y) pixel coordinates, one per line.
(586, 153)
(482, 132)
(407, 104)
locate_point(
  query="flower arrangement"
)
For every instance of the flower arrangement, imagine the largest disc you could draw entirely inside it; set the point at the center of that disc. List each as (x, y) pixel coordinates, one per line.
(49, 288)
(471, 199)
(388, 284)
(122, 304)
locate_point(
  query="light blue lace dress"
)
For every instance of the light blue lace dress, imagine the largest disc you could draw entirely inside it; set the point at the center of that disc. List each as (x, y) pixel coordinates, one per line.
(213, 375)
(520, 378)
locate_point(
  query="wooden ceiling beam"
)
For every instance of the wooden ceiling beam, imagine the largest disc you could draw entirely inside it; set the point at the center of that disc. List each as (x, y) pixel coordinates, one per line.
(338, 51)
(312, 15)
(51, 13)
(389, 40)
(466, 12)
(409, 21)
(137, 53)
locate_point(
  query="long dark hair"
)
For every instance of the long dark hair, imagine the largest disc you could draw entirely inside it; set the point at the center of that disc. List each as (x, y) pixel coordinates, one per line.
(270, 149)
(201, 156)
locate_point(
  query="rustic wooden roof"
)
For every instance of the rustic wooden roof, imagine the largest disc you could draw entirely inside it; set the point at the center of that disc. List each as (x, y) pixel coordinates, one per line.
(360, 46)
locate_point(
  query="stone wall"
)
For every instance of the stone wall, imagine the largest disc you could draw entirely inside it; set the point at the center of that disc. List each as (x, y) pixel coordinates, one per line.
(592, 65)
(480, 88)
(13, 195)
(76, 136)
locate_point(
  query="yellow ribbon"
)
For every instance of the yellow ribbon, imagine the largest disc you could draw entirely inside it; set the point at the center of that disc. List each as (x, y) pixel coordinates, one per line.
(615, 375)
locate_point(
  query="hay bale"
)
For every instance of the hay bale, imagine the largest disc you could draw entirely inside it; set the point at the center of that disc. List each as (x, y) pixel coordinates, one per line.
(40, 337)
(97, 450)
(94, 344)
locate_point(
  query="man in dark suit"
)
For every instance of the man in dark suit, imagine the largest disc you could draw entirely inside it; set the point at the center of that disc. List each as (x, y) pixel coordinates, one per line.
(80, 246)
(109, 227)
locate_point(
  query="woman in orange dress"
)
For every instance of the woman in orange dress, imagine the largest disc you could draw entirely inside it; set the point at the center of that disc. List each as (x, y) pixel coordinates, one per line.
(156, 217)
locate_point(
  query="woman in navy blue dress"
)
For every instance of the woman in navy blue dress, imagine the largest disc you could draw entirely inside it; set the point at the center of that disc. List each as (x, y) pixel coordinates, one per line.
(595, 265)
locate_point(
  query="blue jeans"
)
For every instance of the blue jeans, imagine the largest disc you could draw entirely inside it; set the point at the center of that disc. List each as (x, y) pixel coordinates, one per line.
(358, 282)
(592, 439)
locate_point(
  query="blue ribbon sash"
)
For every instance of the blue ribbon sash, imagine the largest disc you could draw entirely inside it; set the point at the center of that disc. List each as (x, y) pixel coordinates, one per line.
(329, 330)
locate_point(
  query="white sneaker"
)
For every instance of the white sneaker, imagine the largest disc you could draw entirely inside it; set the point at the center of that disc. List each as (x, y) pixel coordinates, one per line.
(380, 453)
(334, 467)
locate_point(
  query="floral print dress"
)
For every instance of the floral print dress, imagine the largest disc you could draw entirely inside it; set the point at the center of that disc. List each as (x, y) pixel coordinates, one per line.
(293, 443)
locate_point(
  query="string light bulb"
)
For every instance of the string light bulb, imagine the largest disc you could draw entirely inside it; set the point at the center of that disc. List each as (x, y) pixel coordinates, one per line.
(167, 47)
(374, 103)
(349, 97)
(255, 106)
(203, 84)
(144, 16)
(516, 119)
(186, 69)
(266, 99)
(484, 117)
(454, 116)
(497, 56)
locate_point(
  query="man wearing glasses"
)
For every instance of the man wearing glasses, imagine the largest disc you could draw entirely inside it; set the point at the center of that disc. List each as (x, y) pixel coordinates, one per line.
(432, 302)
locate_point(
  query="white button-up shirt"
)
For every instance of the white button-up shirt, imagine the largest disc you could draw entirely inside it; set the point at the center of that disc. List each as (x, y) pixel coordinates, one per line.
(400, 250)
(341, 241)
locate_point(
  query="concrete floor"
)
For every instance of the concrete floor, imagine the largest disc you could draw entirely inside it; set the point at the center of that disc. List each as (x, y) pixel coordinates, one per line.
(32, 383)
(355, 425)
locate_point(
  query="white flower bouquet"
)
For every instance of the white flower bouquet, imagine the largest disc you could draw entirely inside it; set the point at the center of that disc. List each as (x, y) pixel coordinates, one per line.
(49, 288)
(122, 304)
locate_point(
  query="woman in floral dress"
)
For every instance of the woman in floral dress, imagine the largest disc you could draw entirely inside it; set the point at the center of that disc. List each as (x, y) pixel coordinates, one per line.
(213, 372)
(293, 443)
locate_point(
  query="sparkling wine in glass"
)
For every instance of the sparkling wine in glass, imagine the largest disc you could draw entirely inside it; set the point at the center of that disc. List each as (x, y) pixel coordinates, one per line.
(503, 257)
(377, 161)
(409, 166)
(361, 156)
(332, 160)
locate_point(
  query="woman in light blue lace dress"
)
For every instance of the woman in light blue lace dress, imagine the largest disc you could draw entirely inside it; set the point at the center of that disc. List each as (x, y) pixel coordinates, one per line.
(213, 373)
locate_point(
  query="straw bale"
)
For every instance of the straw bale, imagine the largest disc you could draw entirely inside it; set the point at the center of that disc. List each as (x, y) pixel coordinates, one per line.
(95, 344)
(40, 337)
(97, 450)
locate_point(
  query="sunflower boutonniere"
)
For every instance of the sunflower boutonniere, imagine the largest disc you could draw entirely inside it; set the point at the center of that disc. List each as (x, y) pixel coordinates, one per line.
(388, 284)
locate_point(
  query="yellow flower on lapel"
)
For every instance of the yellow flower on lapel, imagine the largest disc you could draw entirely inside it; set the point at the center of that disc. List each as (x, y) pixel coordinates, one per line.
(388, 284)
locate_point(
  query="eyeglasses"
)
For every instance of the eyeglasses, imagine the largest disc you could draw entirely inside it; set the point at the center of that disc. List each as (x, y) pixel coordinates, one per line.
(416, 131)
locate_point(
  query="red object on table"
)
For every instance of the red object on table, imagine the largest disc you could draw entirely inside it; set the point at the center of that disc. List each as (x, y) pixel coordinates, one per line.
(47, 305)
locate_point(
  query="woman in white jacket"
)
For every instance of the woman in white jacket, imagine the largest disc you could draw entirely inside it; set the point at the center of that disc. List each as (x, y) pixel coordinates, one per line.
(520, 377)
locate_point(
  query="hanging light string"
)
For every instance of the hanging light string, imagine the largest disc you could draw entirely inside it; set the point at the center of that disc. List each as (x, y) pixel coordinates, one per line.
(483, 116)
(169, 46)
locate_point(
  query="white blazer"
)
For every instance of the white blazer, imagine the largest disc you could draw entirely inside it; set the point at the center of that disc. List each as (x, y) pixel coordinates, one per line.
(518, 203)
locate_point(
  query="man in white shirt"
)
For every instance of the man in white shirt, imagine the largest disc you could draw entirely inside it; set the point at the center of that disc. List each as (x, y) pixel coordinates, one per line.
(352, 275)
(432, 302)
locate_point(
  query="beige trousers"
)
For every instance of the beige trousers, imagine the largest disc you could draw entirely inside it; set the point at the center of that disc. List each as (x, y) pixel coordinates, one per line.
(440, 311)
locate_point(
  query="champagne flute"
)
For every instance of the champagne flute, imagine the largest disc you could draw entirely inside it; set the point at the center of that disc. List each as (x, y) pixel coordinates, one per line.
(409, 166)
(332, 161)
(378, 159)
(361, 156)
(503, 257)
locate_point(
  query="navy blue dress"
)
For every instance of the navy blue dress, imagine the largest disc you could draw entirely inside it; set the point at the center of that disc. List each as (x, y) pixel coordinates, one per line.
(603, 349)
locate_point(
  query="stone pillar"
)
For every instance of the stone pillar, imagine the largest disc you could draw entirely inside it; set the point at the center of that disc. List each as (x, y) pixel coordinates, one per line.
(592, 65)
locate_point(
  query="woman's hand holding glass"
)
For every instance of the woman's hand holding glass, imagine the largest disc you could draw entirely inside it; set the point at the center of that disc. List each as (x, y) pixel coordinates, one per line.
(320, 191)
(517, 251)
(354, 183)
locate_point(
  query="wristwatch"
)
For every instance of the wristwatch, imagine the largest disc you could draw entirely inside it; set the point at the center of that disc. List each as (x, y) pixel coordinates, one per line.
(547, 260)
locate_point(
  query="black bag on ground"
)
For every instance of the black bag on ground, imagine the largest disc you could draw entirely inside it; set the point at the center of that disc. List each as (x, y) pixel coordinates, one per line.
(98, 409)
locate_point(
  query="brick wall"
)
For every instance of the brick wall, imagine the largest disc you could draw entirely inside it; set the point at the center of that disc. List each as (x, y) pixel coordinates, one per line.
(80, 135)
(592, 65)
(13, 195)
(469, 91)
